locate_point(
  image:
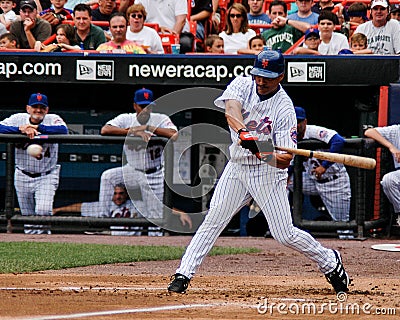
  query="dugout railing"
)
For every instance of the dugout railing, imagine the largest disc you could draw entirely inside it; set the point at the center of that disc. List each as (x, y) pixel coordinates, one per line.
(12, 221)
(362, 183)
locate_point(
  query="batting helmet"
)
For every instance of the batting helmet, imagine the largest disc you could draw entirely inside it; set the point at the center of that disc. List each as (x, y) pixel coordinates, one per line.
(269, 64)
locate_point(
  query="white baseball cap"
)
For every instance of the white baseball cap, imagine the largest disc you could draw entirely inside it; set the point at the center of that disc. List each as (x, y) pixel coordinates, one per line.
(381, 3)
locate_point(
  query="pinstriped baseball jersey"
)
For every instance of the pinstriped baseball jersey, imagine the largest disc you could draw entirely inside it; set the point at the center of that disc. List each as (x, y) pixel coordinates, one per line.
(138, 155)
(23, 160)
(324, 135)
(392, 134)
(272, 118)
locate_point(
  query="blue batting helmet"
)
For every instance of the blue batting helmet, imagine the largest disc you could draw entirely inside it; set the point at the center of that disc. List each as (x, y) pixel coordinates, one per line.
(269, 64)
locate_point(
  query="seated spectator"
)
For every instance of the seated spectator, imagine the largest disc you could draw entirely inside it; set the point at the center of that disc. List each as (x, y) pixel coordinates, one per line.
(359, 45)
(88, 35)
(256, 44)
(141, 34)
(8, 16)
(395, 11)
(8, 41)
(256, 15)
(103, 13)
(200, 12)
(171, 17)
(383, 33)
(119, 43)
(304, 12)
(65, 40)
(30, 28)
(329, 5)
(237, 31)
(357, 13)
(56, 14)
(331, 42)
(214, 44)
(311, 43)
(284, 32)
(70, 4)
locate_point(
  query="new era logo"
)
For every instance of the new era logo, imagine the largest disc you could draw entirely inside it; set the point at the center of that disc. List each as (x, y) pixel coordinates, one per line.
(295, 72)
(306, 71)
(95, 70)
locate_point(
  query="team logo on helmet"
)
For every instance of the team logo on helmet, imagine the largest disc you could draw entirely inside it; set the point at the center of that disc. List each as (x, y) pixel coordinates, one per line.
(39, 97)
(146, 95)
(264, 63)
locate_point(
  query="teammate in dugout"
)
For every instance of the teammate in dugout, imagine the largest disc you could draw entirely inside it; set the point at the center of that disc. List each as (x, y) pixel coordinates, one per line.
(389, 137)
(36, 179)
(144, 167)
(258, 109)
(327, 179)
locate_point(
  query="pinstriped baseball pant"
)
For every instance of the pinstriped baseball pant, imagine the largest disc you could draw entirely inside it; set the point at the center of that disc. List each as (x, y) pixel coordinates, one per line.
(267, 186)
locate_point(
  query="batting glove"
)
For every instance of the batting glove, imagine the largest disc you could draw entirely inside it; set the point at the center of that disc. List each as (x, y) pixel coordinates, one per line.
(247, 140)
(266, 149)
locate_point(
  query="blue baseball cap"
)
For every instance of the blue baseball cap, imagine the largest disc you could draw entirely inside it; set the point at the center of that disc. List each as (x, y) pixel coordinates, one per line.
(143, 96)
(311, 32)
(345, 51)
(269, 64)
(38, 98)
(300, 113)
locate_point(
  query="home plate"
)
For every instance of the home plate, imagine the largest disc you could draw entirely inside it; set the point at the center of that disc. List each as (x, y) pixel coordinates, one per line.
(386, 247)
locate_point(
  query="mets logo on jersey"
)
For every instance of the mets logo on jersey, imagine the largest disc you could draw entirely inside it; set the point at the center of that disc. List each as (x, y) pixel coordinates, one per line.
(264, 63)
(293, 134)
(322, 134)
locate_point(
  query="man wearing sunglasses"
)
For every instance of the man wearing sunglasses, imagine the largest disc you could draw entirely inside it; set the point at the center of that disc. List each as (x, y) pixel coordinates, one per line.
(383, 34)
(141, 34)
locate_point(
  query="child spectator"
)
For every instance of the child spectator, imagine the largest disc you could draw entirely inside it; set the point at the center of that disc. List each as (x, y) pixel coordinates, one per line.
(214, 44)
(256, 44)
(331, 42)
(8, 41)
(56, 14)
(66, 40)
(8, 15)
(359, 44)
(311, 43)
(357, 13)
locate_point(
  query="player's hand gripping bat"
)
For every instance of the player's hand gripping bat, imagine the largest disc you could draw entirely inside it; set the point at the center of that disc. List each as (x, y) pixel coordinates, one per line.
(263, 150)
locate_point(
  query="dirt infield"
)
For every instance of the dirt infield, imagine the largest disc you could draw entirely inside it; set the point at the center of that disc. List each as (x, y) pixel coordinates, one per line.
(277, 283)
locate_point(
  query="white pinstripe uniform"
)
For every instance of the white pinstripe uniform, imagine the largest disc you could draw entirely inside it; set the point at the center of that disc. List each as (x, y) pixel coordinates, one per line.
(245, 176)
(139, 160)
(36, 194)
(334, 185)
(391, 181)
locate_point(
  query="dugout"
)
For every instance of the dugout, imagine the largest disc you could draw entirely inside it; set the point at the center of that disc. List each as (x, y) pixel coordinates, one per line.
(345, 93)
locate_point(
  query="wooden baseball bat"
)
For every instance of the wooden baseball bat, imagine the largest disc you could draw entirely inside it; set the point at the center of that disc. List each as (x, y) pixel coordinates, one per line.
(347, 159)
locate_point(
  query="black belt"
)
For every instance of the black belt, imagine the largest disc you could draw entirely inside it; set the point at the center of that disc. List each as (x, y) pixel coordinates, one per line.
(35, 175)
(334, 177)
(151, 170)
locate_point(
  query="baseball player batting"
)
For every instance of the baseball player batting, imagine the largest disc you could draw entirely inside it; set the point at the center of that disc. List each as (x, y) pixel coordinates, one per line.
(144, 167)
(36, 179)
(257, 109)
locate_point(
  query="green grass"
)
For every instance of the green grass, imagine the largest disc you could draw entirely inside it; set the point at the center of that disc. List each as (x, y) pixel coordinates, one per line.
(17, 257)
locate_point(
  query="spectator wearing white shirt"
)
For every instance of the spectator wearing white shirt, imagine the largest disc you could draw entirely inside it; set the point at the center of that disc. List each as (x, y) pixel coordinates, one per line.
(331, 42)
(145, 36)
(237, 31)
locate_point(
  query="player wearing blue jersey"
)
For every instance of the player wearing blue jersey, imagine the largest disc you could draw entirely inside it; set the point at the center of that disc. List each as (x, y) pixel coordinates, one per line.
(257, 108)
(36, 179)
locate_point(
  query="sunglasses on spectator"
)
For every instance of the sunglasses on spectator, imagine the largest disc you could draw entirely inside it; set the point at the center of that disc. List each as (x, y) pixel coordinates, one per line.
(237, 15)
(136, 15)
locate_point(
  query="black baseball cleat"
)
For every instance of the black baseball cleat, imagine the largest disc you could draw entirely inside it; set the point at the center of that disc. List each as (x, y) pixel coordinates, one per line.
(338, 277)
(179, 283)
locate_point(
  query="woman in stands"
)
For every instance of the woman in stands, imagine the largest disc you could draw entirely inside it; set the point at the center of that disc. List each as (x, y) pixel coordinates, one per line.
(145, 36)
(237, 31)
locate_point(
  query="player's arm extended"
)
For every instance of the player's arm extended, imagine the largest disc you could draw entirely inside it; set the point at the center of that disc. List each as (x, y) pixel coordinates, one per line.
(233, 114)
(281, 160)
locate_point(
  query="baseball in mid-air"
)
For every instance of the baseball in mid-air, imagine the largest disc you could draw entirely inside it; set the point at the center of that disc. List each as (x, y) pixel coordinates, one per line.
(34, 150)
